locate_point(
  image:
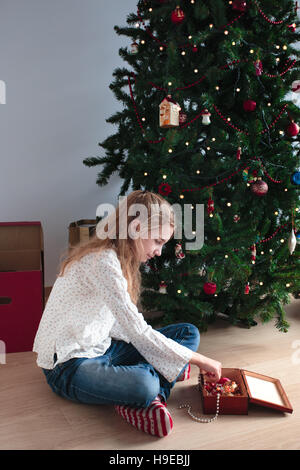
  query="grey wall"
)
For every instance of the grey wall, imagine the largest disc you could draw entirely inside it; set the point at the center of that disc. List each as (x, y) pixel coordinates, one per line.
(56, 60)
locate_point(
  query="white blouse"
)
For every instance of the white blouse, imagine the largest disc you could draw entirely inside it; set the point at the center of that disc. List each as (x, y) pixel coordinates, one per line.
(89, 306)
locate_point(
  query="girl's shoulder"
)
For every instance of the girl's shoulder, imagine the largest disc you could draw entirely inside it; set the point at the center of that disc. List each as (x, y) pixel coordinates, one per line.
(100, 256)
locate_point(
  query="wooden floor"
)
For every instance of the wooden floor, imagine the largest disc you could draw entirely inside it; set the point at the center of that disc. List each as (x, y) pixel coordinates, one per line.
(33, 417)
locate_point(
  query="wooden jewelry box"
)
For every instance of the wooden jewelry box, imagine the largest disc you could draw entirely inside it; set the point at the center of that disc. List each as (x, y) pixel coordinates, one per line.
(254, 388)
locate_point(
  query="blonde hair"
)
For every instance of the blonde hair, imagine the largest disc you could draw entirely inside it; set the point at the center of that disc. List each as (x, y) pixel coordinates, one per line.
(158, 212)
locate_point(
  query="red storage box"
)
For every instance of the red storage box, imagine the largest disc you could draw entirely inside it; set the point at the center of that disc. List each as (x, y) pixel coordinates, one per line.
(21, 283)
(255, 388)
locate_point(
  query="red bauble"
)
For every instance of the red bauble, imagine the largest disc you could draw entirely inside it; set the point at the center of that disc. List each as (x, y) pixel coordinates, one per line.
(259, 188)
(210, 288)
(177, 15)
(249, 105)
(239, 5)
(292, 129)
(164, 189)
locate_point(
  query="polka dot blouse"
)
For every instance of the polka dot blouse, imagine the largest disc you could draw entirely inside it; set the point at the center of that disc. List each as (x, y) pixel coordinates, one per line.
(89, 306)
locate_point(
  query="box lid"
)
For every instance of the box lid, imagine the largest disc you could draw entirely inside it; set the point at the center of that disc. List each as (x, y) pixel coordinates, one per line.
(266, 391)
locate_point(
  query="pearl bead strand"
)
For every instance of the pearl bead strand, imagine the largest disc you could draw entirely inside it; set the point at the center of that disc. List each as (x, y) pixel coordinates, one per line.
(196, 418)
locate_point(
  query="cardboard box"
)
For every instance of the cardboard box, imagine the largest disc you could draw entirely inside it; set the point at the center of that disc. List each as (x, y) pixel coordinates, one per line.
(255, 388)
(81, 231)
(21, 283)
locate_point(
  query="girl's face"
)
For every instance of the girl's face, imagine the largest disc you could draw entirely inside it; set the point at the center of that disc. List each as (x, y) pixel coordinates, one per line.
(152, 247)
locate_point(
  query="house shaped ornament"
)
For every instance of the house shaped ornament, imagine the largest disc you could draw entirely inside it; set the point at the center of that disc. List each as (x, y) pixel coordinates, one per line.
(169, 113)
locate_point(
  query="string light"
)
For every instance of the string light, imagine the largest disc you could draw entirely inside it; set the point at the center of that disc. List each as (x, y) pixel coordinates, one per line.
(198, 172)
(225, 32)
(196, 70)
(211, 26)
(164, 177)
(233, 43)
(145, 174)
(181, 196)
(170, 150)
(251, 51)
(169, 83)
(183, 53)
(226, 256)
(229, 204)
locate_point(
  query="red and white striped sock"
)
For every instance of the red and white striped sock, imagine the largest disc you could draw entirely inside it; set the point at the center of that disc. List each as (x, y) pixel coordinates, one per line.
(186, 374)
(155, 419)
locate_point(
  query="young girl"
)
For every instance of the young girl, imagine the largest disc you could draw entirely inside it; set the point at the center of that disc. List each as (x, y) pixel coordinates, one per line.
(94, 346)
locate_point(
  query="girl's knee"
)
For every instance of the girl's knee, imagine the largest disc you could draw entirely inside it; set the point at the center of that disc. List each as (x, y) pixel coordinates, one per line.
(194, 332)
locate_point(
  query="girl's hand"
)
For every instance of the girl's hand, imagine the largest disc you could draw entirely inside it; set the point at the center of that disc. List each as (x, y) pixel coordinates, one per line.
(212, 368)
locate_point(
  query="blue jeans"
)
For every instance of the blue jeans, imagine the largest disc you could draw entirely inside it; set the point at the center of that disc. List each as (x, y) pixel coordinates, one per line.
(121, 376)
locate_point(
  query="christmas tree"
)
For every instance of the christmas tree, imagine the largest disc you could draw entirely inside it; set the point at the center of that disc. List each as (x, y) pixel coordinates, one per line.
(209, 117)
